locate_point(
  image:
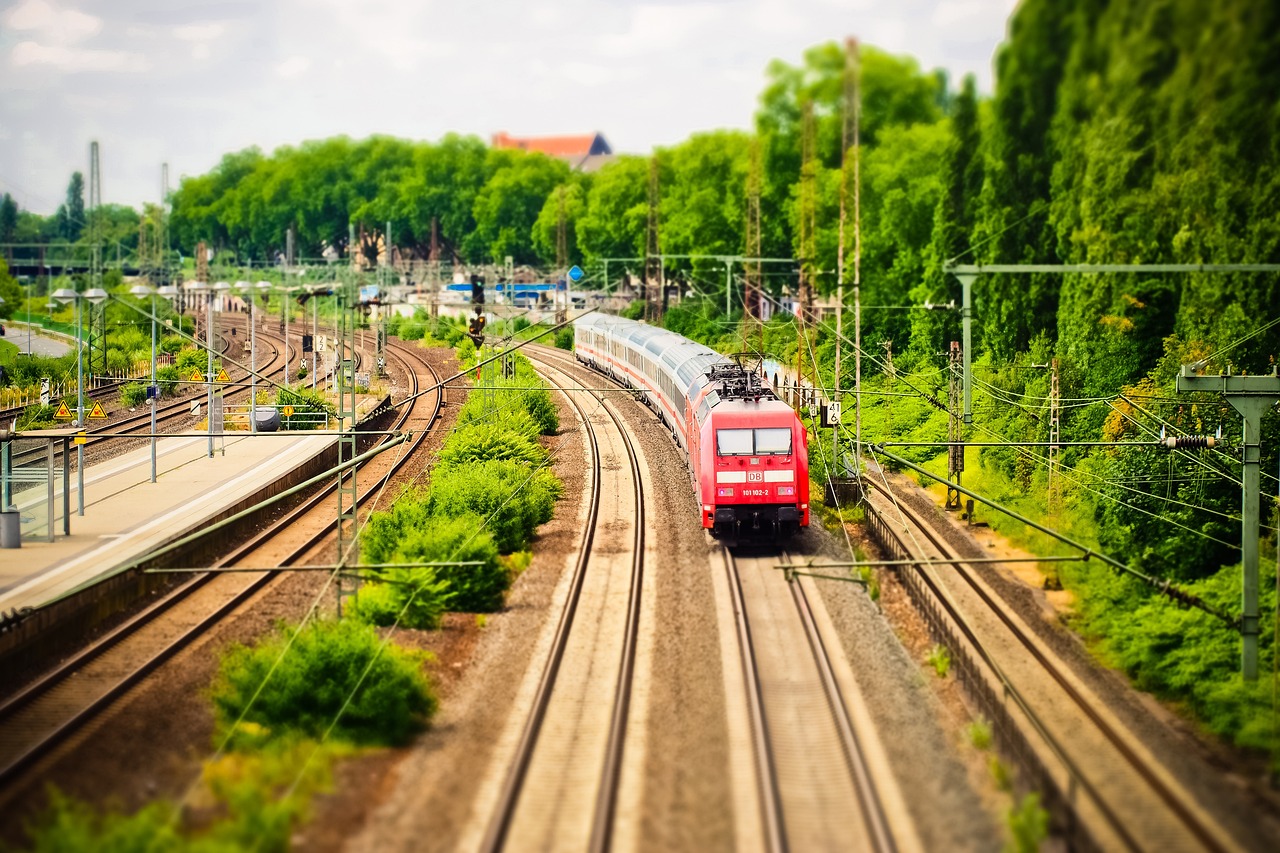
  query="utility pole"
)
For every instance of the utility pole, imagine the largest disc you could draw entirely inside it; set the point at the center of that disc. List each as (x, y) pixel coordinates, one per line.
(893, 377)
(345, 299)
(808, 239)
(1055, 419)
(164, 224)
(653, 245)
(562, 258)
(849, 111)
(1251, 396)
(97, 313)
(955, 446)
(751, 264)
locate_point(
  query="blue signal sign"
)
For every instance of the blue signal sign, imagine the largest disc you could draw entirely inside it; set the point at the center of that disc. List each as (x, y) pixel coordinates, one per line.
(576, 273)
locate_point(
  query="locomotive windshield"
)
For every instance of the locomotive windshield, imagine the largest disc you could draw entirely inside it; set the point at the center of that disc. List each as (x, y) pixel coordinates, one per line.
(753, 442)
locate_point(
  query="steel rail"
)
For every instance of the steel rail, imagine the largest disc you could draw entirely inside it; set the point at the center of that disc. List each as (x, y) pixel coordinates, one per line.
(877, 822)
(495, 837)
(42, 686)
(610, 779)
(766, 765)
(1052, 667)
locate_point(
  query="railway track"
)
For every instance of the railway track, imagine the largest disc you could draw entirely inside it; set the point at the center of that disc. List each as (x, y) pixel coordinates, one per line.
(35, 720)
(815, 788)
(571, 748)
(1105, 790)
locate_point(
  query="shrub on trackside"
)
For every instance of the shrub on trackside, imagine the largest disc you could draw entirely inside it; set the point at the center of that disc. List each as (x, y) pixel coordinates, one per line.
(479, 442)
(514, 498)
(409, 534)
(311, 410)
(133, 394)
(245, 809)
(306, 679)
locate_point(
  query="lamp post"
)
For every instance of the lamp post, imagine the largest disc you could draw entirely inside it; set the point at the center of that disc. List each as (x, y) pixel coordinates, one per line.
(249, 290)
(209, 291)
(153, 393)
(94, 296)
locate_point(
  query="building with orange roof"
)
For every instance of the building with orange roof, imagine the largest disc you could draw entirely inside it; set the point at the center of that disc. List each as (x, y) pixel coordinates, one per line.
(586, 152)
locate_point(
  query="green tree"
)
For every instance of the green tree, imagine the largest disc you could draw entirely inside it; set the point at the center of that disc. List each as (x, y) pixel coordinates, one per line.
(70, 213)
(508, 204)
(8, 219)
(546, 230)
(617, 212)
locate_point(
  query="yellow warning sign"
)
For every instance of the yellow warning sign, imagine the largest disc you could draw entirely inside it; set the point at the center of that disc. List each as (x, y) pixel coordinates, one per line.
(81, 438)
(196, 376)
(97, 413)
(287, 411)
(222, 375)
(63, 413)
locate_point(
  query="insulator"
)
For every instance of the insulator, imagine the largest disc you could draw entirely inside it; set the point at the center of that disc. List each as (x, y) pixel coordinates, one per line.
(1189, 442)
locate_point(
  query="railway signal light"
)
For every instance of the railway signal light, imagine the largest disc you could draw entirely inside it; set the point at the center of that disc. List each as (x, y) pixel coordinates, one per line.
(476, 329)
(477, 290)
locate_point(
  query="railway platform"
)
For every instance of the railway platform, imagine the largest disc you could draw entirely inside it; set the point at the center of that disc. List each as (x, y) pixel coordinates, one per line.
(126, 516)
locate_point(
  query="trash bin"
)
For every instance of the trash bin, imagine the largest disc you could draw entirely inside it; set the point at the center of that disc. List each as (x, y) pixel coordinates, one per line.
(10, 529)
(268, 418)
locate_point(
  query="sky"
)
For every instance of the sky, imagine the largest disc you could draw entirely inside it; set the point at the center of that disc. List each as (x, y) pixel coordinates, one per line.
(184, 82)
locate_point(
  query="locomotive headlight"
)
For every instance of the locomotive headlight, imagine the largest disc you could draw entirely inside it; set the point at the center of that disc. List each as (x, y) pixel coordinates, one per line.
(785, 491)
(723, 492)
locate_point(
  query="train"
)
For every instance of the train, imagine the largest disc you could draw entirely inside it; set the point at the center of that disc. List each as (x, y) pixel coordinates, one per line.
(747, 451)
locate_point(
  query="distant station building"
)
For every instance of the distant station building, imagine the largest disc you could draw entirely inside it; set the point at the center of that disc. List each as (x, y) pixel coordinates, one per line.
(584, 153)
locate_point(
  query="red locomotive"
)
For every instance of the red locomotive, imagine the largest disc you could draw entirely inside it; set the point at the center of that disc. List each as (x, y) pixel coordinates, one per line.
(748, 452)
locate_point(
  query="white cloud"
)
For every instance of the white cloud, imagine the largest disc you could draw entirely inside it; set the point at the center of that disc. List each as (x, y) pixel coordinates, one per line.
(72, 60)
(294, 66)
(657, 29)
(200, 32)
(52, 24)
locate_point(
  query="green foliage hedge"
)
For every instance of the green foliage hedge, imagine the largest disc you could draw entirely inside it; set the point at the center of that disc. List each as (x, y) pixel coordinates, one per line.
(479, 442)
(489, 492)
(512, 497)
(326, 673)
(410, 533)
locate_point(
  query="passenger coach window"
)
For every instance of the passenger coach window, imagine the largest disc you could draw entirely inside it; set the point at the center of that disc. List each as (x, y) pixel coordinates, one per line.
(753, 442)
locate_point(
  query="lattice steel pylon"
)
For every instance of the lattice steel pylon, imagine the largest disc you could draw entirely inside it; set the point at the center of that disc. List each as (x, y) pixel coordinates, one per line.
(653, 248)
(345, 294)
(751, 319)
(808, 243)
(955, 437)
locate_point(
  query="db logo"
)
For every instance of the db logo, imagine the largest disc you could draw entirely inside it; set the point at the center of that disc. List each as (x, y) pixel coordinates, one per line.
(755, 476)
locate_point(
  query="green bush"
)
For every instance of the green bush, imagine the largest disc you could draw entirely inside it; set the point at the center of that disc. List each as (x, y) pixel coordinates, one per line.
(478, 442)
(167, 378)
(308, 406)
(635, 310)
(519, 324)
(564, 338)
(326, 673)
(541, 408)
(133, 394)
(40, 417)
(172, 344)
(513, 497)
(409, 534)
(408, 597)
(191, 359)
(68, 824)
